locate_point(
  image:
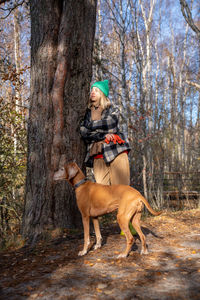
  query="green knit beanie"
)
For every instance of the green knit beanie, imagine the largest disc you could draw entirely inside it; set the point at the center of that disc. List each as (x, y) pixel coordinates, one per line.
(103, 86)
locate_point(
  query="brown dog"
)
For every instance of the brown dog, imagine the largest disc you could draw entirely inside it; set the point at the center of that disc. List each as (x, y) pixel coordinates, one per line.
(95, 199)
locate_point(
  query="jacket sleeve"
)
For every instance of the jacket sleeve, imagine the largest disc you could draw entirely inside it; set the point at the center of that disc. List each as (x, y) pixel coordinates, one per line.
(91, 136)
(93, 131)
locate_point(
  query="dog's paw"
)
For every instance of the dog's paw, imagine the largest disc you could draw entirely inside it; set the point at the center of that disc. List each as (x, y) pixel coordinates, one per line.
(122, 255)
(144, 251)
(97, 246)
(81, 253)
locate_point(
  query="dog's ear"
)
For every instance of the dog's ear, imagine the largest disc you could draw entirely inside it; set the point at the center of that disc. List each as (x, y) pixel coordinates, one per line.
(72, 171)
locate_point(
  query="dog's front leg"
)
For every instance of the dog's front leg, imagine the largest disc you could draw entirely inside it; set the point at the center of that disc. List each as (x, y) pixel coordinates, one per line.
(97, 233)
(86, 227)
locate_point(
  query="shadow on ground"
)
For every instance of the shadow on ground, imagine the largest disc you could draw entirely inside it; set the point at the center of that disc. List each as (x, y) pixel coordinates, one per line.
(171, 270)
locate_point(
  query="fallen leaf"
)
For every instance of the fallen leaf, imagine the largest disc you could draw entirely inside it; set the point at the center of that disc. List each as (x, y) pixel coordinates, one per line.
(33, 296)
(177, 265)
(158, 273)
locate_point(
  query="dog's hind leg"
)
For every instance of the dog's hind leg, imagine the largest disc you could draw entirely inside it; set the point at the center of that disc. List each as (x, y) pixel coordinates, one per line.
(97, 233)
(123, 222)
(136, 225)
(86, 227)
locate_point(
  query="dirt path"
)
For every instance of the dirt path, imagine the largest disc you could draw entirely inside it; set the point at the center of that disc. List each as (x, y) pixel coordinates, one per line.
(171, 270)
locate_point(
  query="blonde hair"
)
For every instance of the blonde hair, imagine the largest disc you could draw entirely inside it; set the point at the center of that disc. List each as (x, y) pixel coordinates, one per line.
(104, 101)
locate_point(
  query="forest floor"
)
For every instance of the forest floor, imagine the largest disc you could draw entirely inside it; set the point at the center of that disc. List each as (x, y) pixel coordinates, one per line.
(53, 270)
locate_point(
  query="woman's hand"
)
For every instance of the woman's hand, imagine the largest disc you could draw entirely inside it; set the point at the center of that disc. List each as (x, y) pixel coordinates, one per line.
(113, 138)
(109, 137)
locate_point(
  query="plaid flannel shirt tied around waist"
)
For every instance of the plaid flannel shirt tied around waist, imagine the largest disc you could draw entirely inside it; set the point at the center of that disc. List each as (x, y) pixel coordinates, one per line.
(95, 131)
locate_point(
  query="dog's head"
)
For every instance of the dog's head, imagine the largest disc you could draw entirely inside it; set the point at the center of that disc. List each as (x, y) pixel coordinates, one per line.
(67, 172)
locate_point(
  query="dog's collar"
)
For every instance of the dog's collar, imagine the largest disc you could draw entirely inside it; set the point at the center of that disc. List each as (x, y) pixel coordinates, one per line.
(80, 182)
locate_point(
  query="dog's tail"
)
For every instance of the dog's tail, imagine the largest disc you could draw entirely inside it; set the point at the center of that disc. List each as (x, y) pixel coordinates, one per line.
(150, 209)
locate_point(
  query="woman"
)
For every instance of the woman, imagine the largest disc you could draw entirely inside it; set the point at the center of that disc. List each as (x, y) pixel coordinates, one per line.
(107, 150)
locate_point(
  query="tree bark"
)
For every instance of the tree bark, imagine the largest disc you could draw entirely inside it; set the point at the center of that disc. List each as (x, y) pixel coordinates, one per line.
(62, 36)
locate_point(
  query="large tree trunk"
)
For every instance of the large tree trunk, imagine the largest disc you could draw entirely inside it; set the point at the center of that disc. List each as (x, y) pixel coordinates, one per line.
(62, 35)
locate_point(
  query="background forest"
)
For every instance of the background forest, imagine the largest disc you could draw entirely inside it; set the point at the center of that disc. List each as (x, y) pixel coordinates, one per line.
(151, 57)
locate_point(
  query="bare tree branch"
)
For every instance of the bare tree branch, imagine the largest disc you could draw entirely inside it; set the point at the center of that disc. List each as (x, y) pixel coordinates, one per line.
(188, 17)
(196, 85)
(12, 7)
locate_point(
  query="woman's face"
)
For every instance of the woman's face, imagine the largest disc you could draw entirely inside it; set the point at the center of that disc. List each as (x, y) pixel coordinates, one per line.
(95, 96)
